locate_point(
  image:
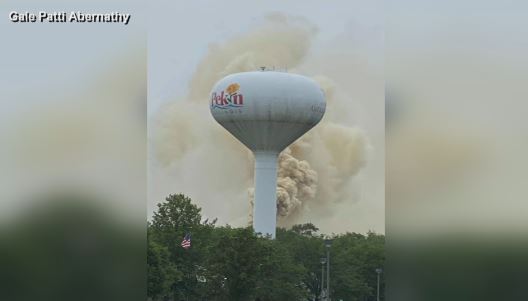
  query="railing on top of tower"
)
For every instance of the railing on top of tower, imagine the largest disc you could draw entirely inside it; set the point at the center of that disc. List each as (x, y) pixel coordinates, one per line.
(264, 68)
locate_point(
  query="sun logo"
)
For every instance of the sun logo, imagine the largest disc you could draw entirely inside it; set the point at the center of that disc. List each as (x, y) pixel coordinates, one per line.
(232, 89)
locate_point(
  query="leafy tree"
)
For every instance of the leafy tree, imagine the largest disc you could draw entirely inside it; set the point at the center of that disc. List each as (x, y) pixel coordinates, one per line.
(176, 215)
(227, 263)
(173, 219)
(355, 258)
(308, 229)
(233, 263)
(161, 272)
(280, 278)
(305, 250)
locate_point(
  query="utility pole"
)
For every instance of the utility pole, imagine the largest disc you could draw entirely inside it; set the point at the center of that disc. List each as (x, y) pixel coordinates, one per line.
(323, 261)
(328, 243)
(378, 271)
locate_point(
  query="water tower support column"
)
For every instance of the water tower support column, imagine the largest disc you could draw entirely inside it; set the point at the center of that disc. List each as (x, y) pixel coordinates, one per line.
(265, 202)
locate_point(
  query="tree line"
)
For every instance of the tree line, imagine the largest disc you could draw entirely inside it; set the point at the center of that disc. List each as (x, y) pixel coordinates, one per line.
(226, 263)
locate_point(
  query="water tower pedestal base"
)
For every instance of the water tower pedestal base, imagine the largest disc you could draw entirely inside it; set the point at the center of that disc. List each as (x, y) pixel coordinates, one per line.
(265, 202)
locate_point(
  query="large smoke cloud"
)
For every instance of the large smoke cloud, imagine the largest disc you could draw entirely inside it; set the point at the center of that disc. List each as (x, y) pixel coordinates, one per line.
(313, 172)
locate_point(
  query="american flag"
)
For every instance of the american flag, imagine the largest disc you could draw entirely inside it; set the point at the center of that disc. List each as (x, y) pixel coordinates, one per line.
(186, 243)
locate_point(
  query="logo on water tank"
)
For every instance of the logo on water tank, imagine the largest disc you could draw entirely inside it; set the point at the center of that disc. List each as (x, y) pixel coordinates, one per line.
(228, 98)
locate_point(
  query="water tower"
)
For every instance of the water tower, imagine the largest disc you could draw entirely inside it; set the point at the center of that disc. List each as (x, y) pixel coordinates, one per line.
(266, 111)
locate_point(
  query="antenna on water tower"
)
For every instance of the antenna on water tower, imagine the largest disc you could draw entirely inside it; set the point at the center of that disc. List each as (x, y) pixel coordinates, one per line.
(266, 111)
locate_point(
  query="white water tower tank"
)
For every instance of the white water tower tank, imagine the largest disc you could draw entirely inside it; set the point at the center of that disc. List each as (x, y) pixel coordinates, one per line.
(266, 111)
